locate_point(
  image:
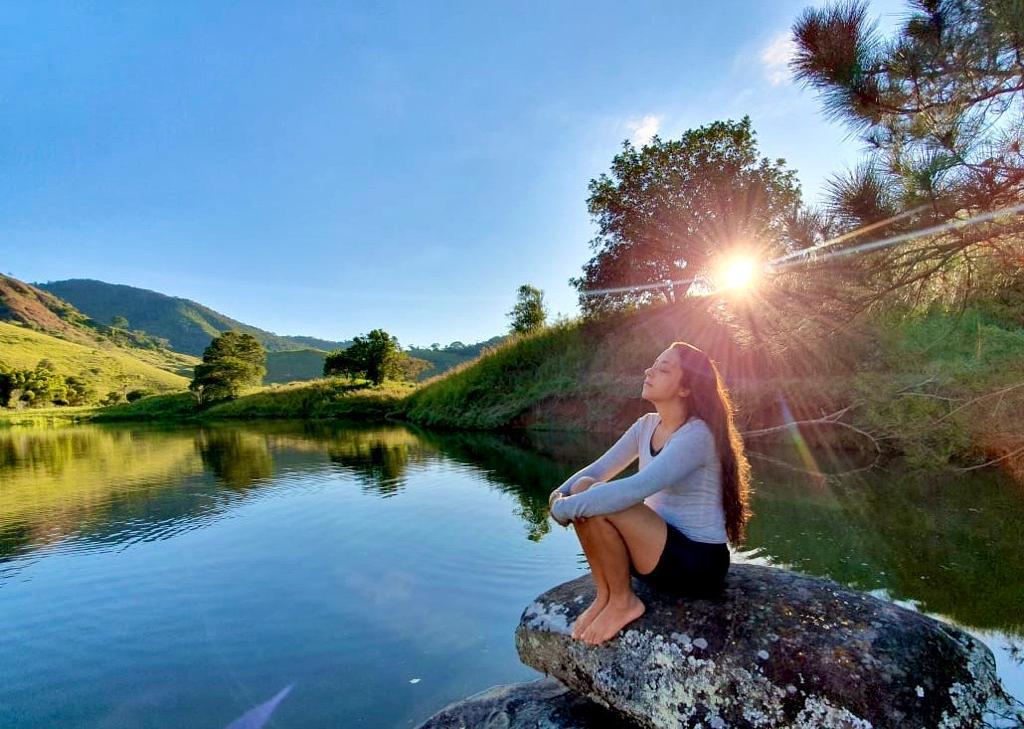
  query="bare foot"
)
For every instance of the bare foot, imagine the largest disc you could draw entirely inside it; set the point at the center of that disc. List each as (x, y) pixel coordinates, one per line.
(588, 615)
(612, 619)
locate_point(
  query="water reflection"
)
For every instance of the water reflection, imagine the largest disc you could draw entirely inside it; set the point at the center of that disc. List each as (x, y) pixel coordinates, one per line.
(238, 459)
(66, 482)
(945, 543)
(393, 536)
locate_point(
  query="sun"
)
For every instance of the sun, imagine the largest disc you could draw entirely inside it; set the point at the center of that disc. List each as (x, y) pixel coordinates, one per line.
(738, 273)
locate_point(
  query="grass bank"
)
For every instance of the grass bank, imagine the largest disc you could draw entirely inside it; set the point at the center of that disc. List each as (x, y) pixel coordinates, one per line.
(45, 417)
(319, 399)
(936, 387)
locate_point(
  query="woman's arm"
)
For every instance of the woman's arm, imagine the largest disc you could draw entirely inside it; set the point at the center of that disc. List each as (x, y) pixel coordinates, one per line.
(683, 454)
(623, 452)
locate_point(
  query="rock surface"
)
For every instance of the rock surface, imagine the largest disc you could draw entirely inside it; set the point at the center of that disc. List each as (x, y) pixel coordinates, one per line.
(777, 649)
(541, 704)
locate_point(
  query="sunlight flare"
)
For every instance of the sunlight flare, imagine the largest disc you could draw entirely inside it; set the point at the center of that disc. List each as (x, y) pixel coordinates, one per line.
(738, 273)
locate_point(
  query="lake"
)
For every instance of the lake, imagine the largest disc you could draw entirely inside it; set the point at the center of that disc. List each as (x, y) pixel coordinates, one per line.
(179, 576)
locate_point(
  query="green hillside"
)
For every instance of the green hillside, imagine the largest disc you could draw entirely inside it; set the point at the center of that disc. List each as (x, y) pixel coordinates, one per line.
(294, 365)
(308, 364)
(104, 369)
(187, 325)
(34, 310)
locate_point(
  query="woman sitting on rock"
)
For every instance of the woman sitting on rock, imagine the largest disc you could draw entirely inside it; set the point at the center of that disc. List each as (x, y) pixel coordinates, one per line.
(668, 524)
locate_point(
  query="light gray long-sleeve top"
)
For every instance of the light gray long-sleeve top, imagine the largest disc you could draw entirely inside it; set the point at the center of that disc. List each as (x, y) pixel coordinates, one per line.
(682, 483)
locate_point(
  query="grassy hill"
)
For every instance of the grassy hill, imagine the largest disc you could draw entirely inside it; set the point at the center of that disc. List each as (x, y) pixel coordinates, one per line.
(937, 387)
(455, 354)
(42, 311)
(187, 325)
(34, 310)
(294, 365)
(105, 369)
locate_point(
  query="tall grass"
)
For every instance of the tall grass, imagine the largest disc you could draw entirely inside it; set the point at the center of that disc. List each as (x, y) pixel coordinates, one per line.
(492, 390)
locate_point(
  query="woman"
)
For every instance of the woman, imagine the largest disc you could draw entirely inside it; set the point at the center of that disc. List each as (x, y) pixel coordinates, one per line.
(667, 525)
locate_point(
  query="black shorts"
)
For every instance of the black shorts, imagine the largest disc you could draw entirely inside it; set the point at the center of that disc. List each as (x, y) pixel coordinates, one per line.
(687, 567)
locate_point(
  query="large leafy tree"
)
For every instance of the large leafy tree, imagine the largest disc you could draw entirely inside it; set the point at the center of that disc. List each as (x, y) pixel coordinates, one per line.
(668, 211)
(231, 362)
(941, 108)
(529, 312)
(377, 357)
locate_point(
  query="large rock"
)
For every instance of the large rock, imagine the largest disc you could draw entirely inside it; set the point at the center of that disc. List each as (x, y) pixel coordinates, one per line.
(777, 649)
(541, 704)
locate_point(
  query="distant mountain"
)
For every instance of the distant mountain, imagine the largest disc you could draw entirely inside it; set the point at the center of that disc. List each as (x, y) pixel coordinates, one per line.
(36, 309)
(187, 325)
(444, 358)
(36, 325)
(294, 365)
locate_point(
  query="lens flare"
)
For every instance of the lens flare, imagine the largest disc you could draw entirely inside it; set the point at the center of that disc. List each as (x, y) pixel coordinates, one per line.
(738, 273)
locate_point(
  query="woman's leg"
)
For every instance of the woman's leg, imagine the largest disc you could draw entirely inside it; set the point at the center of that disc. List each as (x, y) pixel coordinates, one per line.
(611, 543)
(622, 605)
(591, 549)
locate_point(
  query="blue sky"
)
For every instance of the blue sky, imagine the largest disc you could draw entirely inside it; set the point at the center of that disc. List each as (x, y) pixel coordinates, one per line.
(329, 168)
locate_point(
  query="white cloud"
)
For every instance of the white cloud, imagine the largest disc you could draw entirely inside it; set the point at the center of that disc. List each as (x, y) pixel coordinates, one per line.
(775, 58)
(642, 130)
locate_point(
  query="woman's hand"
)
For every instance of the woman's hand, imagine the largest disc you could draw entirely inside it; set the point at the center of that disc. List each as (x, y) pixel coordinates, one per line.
(555, 496)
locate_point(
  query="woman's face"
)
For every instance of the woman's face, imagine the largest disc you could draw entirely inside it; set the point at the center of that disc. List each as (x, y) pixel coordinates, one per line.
(662, 380)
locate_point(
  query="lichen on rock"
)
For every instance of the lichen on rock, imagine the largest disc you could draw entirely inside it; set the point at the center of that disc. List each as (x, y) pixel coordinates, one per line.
(776, 649)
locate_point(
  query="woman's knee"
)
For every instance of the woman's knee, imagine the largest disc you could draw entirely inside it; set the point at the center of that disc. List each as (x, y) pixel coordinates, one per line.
(582, 484)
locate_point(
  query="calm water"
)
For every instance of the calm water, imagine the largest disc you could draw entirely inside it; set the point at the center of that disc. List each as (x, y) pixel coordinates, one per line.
(178, 577)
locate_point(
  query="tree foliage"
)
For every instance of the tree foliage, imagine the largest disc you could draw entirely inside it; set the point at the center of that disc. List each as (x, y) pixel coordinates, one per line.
(376, 357)
(941, 108)
(231, 362)
(41, 386)
(529, 312)
(669, 211)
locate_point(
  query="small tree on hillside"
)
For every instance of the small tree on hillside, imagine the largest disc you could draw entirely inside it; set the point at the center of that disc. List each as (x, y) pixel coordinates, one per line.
(231, 362)
(529, 313)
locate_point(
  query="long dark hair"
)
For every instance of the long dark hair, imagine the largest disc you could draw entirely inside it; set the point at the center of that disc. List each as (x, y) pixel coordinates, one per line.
(709, 401)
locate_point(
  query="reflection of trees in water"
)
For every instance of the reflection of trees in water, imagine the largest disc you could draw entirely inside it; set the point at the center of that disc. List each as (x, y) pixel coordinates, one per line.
(378, 461)
(519, 464)
(237, 458)
(376, 456)
(948, 542)
(48, 452)
(69, 481)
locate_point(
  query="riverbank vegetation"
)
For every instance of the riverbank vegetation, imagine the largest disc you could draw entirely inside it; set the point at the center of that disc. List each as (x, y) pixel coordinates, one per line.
(940, 388)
